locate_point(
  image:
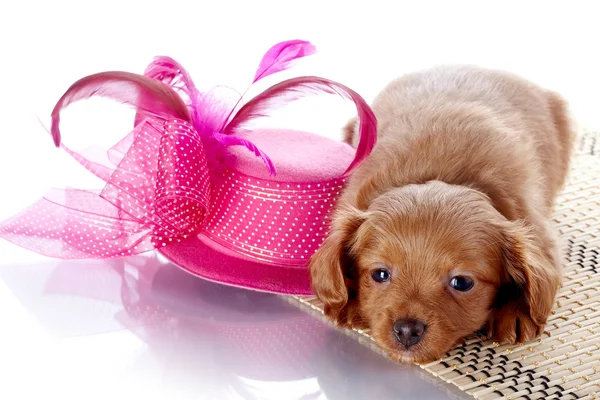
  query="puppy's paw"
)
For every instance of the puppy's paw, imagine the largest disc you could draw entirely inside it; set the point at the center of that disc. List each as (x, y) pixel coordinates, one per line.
(513, 327)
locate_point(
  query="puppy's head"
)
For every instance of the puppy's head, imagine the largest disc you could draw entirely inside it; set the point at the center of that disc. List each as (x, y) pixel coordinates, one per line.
(427, 265)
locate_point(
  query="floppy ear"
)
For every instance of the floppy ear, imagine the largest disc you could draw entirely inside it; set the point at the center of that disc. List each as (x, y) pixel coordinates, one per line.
(333, 267)
(529, 285)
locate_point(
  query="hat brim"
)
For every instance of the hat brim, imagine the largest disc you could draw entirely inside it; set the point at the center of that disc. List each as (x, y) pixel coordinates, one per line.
(206, 259)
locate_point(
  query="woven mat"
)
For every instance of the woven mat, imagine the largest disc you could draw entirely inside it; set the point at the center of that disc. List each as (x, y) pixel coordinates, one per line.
(565, 362)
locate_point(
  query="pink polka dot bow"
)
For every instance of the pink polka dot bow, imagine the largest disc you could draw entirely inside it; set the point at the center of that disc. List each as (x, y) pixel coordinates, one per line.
(176, 177)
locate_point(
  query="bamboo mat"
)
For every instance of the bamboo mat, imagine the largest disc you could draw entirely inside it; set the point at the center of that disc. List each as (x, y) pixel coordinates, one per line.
(564, 363)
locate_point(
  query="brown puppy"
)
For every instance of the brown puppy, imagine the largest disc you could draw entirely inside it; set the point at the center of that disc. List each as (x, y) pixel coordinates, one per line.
(446, 228)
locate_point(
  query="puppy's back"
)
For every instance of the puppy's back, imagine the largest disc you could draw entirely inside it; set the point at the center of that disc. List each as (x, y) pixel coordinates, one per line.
(468, 125)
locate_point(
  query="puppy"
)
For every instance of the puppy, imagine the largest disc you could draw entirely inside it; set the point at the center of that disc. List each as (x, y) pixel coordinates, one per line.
(446, 228)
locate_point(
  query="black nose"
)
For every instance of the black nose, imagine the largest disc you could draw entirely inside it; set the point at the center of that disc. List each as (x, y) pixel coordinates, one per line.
(409, 331)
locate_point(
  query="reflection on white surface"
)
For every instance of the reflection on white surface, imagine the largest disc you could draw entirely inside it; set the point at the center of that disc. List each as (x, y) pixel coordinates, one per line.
(138, 327)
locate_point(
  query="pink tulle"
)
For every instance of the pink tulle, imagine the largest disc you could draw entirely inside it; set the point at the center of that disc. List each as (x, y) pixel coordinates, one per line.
(158, 193)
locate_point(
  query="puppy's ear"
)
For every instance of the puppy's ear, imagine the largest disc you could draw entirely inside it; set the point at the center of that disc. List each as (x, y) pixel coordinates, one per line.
(529, 284)
(333, 267)
(349, 132)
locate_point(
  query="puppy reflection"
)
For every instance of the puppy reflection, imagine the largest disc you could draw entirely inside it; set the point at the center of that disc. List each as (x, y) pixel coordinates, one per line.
(446, 228)
(367, 375)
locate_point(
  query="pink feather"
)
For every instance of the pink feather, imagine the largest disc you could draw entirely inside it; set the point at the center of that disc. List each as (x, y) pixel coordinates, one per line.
(166, 69)
(282, 56)
(209, 111)
(146, 94)
(231, 140)
(170, 72)
(295, 88)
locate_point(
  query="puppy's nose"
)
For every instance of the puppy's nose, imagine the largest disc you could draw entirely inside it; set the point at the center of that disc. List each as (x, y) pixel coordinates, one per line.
(409, 331)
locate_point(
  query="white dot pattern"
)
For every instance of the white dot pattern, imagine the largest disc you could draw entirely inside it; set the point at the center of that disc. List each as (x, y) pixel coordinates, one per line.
(271, 221)
(161, 193)
(158, 194)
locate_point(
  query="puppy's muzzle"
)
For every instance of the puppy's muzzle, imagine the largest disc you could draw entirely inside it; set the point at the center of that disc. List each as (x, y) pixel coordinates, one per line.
(409, 331)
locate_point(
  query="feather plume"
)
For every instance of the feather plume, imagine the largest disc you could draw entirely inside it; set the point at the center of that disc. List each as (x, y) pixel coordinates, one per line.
(166, 69)
(282, 56)
(209, 117)
(230, 140)
(296, 88)
(148, 95)
(170, 72)
(209, 111)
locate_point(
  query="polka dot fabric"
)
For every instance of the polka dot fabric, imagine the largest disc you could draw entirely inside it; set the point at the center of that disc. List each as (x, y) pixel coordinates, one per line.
(160, 192)
(271, 221)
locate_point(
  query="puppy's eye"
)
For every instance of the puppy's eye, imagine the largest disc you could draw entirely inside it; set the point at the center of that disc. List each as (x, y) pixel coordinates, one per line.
(381, 275)
(461, 283)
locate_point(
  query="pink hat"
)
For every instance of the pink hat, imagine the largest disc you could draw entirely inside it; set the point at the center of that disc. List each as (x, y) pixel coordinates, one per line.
(244, 218)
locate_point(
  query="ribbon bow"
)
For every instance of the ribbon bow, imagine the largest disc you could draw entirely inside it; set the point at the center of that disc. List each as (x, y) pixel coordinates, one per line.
(159, 188)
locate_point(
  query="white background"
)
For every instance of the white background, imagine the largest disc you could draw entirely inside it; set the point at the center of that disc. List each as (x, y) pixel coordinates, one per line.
(46, 46)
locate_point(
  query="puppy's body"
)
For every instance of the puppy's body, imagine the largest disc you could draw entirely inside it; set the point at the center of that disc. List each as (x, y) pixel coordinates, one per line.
(461, 184)
(465, 125)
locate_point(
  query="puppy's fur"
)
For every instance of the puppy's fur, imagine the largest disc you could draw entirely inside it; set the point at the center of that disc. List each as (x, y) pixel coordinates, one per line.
(461, 183)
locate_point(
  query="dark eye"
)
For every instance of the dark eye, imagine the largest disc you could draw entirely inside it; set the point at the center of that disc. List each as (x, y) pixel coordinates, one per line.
(381, 275)
(461, 283)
